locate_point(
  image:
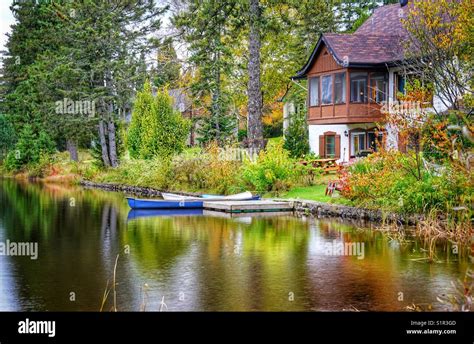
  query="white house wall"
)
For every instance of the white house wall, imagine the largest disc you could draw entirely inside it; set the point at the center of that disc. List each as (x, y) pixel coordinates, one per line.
(316, 130)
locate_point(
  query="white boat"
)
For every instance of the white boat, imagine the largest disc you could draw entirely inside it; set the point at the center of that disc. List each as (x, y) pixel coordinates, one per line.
(175, 197)
(244, 196)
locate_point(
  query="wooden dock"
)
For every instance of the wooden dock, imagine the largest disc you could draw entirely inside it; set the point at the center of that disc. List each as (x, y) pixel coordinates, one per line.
(249, 206)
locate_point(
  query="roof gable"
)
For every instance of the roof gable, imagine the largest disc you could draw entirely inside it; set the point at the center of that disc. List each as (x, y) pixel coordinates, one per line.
(377, 42)
(385, 20)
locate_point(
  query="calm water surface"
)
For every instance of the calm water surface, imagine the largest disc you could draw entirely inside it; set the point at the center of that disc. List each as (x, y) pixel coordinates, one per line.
(206, 262)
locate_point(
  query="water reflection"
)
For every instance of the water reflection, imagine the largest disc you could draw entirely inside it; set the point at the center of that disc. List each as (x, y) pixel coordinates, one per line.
(201, 261)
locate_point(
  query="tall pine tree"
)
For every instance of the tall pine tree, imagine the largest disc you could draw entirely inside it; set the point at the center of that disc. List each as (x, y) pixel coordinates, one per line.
(204, 25)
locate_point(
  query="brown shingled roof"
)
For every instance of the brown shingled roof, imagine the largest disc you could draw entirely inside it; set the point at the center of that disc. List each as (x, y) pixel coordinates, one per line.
(365, 49)
(385, 20)
(377, 42)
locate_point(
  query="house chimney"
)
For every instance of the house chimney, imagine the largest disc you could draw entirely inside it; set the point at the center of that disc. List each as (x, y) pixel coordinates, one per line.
(403, 2)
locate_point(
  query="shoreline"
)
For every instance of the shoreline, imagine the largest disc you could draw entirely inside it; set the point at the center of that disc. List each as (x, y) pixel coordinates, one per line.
(301, 207)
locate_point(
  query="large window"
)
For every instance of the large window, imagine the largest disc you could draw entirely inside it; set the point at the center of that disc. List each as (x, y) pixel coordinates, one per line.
(340, 88)
(359, 87)
(378, 87)
(326, 89)
(330, 146)
(314, 92)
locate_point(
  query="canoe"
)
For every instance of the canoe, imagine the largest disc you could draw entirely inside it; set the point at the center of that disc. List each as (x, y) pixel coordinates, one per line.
(244, 196)
(137, 203)
(188, 203)
(141, 213)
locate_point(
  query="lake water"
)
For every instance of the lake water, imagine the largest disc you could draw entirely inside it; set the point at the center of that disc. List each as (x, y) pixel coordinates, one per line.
(203, 261)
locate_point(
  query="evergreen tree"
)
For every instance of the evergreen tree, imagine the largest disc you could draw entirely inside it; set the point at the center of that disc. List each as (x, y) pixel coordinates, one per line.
(156, 128)
(352, 13)
(142, 106)
(7, 135)
(34, 33)
(168, 69)
(205, 28)
(296, 135)
(110, 41)
(29, 148)
(219, 128)
(84, 51)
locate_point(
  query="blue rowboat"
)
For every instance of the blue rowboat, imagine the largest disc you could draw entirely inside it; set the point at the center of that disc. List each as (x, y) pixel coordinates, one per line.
(187, 203)
(137, 203)
(140, 213)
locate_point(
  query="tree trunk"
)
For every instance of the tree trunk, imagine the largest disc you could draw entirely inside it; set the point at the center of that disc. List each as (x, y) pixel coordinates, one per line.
(112, 143)
(216, 93)
(103, 144)
(72, 149)
(255, 127)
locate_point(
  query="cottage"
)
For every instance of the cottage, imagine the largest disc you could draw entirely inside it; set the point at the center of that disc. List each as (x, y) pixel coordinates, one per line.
(350, 77)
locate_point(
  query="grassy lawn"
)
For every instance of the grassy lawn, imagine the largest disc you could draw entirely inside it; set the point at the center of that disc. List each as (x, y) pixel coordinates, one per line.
(315, 193)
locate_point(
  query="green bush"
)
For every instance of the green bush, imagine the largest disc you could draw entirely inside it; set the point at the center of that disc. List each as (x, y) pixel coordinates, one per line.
(388, 181)
(29, 149)
(273, 170)
(208, 172)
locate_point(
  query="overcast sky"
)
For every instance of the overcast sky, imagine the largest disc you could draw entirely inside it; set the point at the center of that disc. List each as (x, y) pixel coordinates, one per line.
(6, 19)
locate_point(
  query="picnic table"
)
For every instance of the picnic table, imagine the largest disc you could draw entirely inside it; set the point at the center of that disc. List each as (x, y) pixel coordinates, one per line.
(328, 164)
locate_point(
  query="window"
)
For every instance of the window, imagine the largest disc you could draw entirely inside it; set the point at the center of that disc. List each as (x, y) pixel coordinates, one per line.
(357, 143)
(378, 87)
(359, 87)
(330, 146)
(314, 92)
(340, 88)
(326, 89)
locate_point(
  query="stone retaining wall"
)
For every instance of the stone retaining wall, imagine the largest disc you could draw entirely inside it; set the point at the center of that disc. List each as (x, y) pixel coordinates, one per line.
(321, 209)
(128, 189)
